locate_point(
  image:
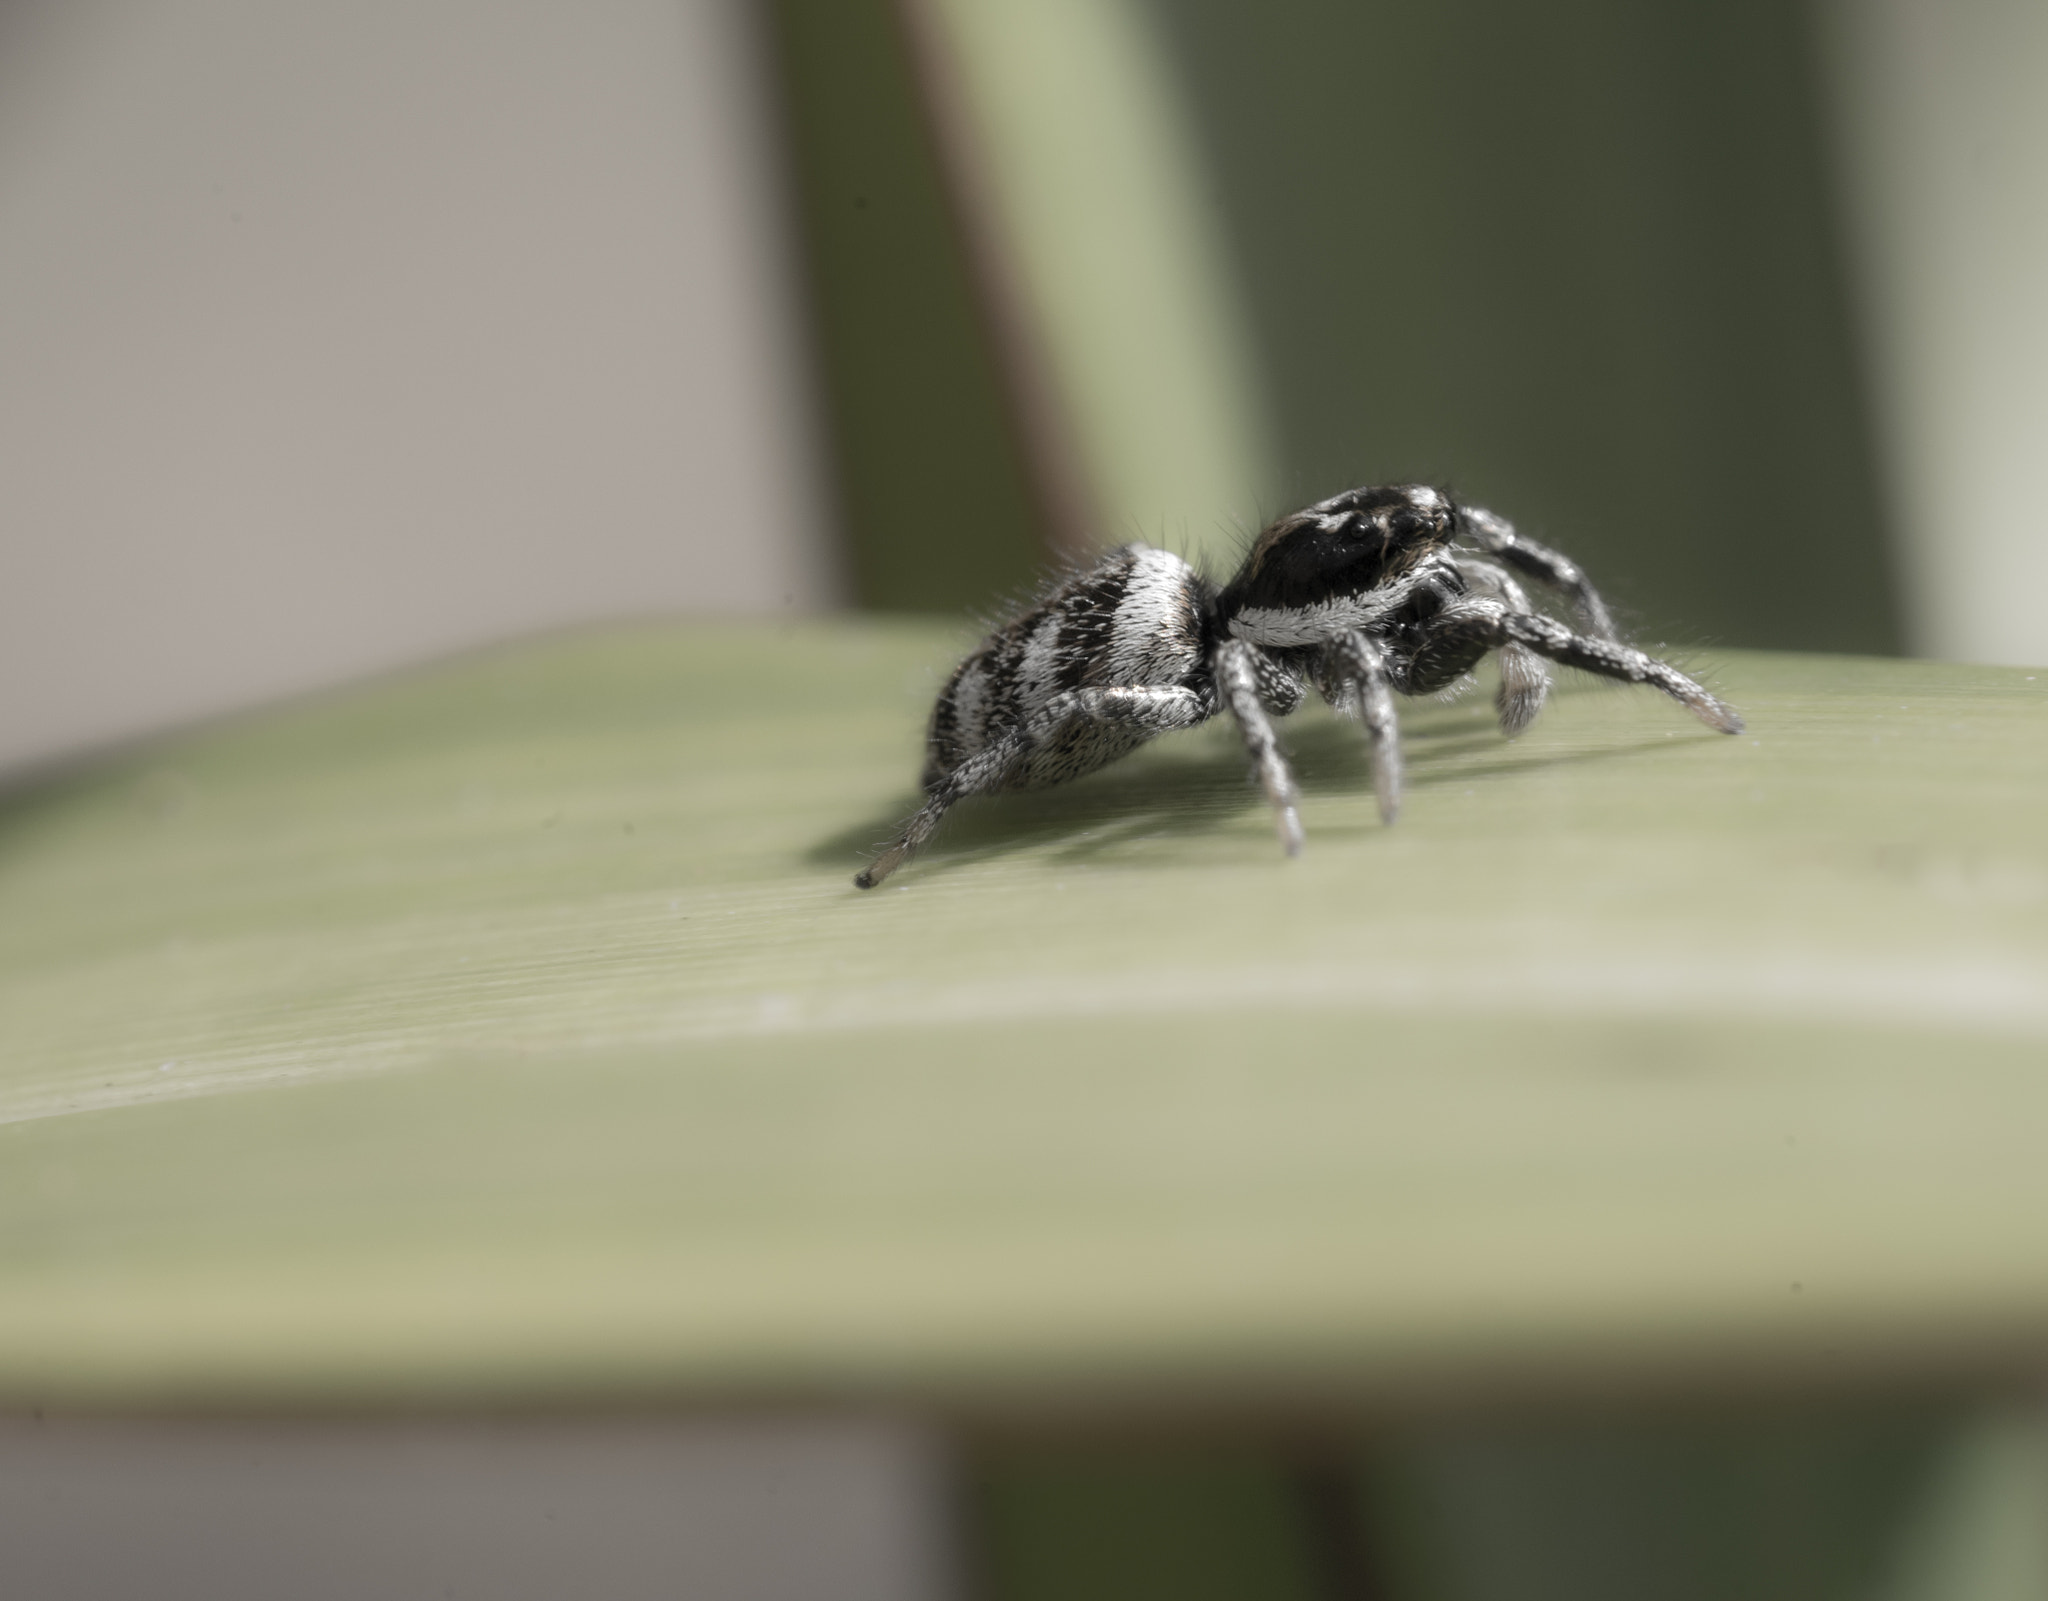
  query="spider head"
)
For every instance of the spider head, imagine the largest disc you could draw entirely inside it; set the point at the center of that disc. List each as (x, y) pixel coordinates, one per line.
(1348, 545)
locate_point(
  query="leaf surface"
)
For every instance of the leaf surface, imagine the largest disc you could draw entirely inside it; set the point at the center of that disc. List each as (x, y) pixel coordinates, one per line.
(513, 1030)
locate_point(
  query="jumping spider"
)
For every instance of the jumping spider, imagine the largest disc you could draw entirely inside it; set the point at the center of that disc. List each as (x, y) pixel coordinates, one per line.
(1386, 588)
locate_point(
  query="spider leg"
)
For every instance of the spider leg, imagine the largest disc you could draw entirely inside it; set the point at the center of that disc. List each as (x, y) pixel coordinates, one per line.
(1144, 709)
(1355, 663)
(1280, 692)
(1237, 686)
(1456, 634)
(1524, 684)
(1497, 537)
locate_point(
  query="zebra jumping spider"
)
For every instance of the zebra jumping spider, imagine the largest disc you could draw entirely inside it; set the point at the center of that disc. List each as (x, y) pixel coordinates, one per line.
(1388, 588)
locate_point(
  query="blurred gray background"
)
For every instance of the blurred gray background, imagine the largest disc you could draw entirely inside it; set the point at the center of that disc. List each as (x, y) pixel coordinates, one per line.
(338, 336)
(532, 1509)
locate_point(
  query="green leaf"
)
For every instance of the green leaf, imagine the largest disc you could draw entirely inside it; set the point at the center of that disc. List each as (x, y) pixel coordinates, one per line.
(514, 1029)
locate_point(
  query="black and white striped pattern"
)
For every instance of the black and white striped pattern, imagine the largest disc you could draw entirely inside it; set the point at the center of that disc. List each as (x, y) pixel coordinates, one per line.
(1137, 619)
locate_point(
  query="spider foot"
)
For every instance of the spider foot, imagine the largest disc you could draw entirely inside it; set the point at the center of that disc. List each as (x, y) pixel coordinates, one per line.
(1720, 715)
(882, 866)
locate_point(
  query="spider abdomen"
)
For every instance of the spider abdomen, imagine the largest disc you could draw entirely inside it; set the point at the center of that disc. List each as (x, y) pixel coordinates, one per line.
(1138, 618)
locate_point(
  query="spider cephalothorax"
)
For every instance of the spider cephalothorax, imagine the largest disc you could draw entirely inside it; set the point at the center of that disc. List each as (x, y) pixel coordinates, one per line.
(1377, 590)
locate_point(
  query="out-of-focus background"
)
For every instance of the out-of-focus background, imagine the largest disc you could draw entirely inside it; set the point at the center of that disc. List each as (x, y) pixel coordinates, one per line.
(339, 337)
(336, 338)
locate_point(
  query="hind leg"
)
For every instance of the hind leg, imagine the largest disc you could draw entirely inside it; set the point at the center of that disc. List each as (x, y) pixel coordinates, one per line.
(1148, 710)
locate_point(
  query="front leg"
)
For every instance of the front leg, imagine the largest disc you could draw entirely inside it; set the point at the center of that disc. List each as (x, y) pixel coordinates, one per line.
(1237, 687)
(1280, 692)
(1497, 537)
(1457, 633)
(1355, 666)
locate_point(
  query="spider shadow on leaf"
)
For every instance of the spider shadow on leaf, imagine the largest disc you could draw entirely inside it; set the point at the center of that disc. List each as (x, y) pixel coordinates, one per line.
(1192, 783)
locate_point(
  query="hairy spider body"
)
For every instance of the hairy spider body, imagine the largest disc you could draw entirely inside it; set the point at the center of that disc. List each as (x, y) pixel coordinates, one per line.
(1388, 589)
